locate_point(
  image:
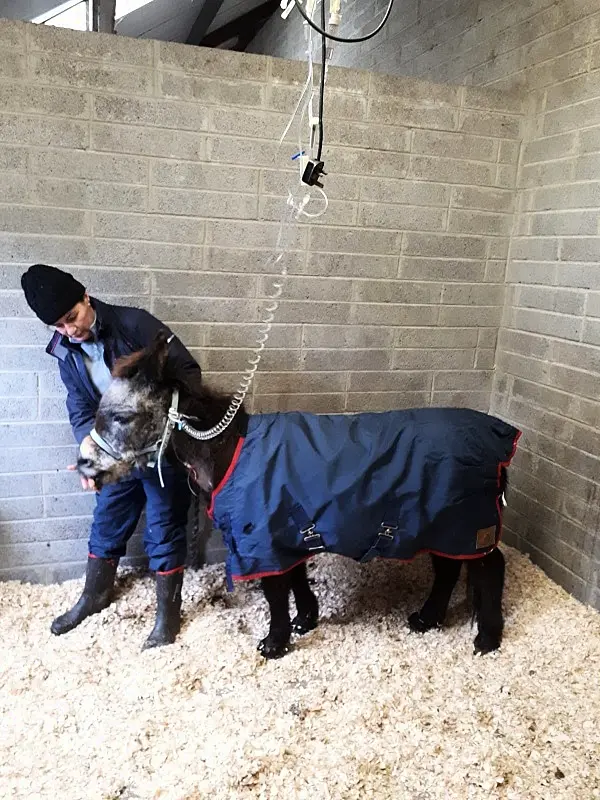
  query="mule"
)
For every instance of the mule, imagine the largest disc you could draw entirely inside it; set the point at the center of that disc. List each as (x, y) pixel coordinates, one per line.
(285, 487)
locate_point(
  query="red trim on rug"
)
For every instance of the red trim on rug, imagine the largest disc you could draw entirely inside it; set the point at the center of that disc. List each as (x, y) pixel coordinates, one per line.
(225, 478)
(171, 571)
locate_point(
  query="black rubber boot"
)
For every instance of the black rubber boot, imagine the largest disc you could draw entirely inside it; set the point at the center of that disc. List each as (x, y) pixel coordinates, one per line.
(96, 596)
(168, 610)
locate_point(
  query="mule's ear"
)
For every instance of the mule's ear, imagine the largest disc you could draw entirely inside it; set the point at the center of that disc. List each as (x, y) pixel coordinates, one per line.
(148, 363)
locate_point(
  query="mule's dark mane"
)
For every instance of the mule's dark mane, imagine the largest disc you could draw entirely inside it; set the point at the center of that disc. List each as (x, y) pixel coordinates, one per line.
(200, 400)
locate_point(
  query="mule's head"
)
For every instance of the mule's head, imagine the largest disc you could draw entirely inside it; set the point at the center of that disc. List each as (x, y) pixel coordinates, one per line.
(131, 416)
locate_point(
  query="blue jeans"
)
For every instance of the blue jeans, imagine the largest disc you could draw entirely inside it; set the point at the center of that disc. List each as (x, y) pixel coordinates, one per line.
(118, 510)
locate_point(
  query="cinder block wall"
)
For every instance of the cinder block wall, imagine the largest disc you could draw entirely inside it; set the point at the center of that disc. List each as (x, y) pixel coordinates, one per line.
(151, 171)
(548, 359)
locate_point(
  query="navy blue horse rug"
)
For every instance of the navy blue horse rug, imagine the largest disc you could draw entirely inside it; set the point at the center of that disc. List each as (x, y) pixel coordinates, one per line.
(390, 485)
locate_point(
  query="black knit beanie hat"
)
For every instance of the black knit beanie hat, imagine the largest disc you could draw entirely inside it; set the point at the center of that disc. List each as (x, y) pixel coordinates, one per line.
(50, 292)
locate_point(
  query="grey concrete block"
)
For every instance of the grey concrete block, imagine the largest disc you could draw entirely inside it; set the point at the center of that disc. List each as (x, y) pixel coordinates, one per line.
(478, 380)
(15, 508)
(339, 187)
(212, 310)
(479, 222)
(385, 401)
(367, 135)
(286, 383)
(355, 360)
(53, 409)
(444, 246)
(479, 401)
(190, 284)
(43, 131)
(224, 64)
(548, 323)
(455, 145)
(393, 314)
(312, 288)
(310, 403)
(482, 199)
(115, 253)
(32, 458)
(228, 335)
(41, 530)
(401, 381)
(433, 359)
(12, 358)
(222, 233)
(390, 110)
(470, 316)
(562, 301)
(159, 113)
(208, 90)
(41, 435)
(139, 140)
(339, 105)
(581, 248)
(473, 294)
(155, 227)
(201, 204)
(183, 174)
(103, 47)
(237, 150)
(64, 505)
(431, 269)
(18, 409)
(489, 123)
(30, 99)
(311, 311)
(12, 34)
(354, 241)
(102, 76)
(351, 161)
(343, 264)
(17, 384)
(339, 212)
(13, 158)
(20, 486)
(342, 336)
(50, 383)
(28, 219)
(402, 217)
(49, 249)
(387, 291)
(385, 190)
(448, 170)
(88, 194)
(221, 259)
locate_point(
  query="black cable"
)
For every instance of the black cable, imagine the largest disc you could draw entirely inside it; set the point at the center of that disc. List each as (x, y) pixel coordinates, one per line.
(323, 32)
(322, 84)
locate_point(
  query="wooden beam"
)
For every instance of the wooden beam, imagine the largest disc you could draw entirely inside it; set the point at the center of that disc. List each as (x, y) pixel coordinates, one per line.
(242, 26)
(204, 20)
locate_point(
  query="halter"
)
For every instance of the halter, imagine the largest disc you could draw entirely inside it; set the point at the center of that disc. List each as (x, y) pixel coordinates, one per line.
(160, 445)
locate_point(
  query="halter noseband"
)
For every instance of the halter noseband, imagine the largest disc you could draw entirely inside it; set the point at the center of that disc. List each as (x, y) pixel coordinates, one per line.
(160, 445)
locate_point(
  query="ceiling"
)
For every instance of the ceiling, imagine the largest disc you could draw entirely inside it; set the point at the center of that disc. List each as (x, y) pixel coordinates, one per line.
(172, 20)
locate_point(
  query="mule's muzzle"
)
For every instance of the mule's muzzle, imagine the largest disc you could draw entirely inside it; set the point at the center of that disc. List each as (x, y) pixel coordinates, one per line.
(88, 468)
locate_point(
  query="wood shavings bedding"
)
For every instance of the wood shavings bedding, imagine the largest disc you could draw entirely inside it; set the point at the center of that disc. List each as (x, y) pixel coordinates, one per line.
(360, 708)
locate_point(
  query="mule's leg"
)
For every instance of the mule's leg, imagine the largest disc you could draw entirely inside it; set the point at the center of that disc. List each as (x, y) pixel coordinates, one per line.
(433, 613)
(277, 593)
(486, 579)
(307, 605)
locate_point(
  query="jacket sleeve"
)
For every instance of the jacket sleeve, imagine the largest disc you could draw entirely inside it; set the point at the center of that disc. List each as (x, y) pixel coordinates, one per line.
(181, 361)
(82, 412)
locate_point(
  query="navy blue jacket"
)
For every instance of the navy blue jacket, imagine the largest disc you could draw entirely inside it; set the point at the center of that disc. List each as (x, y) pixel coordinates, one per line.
(124, 331)
(387, 484)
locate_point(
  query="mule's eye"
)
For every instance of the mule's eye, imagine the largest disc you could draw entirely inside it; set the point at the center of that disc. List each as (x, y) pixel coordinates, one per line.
(122, 419)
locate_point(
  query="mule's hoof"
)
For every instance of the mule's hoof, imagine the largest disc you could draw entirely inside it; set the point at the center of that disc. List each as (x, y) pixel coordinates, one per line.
(418, 625)
(270, 649)
(486, 643)
(304, 624)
